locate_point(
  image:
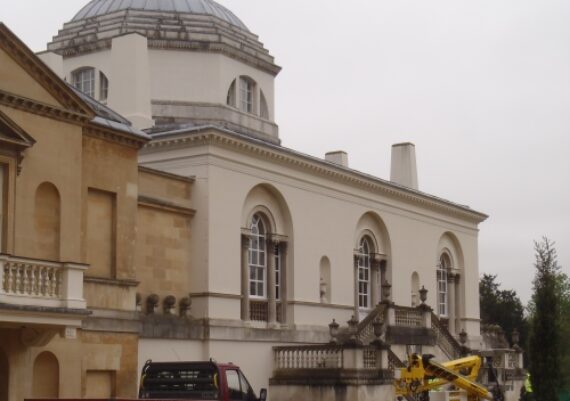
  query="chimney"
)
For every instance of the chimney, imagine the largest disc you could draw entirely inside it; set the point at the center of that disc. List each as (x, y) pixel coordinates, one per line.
(404, 170)
(339, 157)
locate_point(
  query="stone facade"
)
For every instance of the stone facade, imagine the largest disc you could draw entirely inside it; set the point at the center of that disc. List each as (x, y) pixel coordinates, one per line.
(69, 244)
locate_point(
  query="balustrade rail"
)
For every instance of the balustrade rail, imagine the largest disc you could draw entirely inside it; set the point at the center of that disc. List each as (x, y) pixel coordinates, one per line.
(308, 357)
(26, 281)
(444, 339)
(409, 317)
(32, 278)
(365, 329)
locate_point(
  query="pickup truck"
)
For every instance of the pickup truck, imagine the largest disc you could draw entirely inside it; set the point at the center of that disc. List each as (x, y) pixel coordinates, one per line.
(200, 381)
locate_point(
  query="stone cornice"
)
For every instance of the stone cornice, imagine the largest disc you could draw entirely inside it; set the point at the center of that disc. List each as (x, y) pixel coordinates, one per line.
(96, 131)
(177, 177)
(217, 137)
(41, 73)
(41, 109)
(160, 204)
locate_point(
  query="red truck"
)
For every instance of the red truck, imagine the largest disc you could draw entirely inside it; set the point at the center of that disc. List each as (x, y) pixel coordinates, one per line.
(200, 381)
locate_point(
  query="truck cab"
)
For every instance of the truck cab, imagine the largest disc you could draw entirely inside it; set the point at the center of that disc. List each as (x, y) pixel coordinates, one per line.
(200, 381)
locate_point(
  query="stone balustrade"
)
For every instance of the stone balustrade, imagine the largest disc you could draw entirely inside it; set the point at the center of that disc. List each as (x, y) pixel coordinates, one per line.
(308, 357)
(409, 317)
(31, 282)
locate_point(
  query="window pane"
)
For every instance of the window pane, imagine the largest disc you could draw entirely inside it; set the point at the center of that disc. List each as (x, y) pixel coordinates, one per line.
(84, 80)
(234, 387)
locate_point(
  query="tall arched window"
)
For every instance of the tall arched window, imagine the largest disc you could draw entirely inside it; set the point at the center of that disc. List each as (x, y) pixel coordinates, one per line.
(257, 258)
(364, 264)
(103, 87)
(442, 294)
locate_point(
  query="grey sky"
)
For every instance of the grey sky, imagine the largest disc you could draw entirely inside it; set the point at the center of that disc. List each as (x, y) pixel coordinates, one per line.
(481, 87)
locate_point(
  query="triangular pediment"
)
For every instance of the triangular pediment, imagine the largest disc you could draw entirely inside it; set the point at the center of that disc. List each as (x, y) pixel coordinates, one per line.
(12, 135)
(23, 73)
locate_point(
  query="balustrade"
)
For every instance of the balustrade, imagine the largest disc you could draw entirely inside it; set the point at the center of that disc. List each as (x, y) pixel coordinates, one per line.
(26, 281)
(409, 317)
(308, 357)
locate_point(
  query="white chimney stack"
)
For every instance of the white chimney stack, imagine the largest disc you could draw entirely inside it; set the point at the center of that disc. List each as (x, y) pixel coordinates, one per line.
(404, 170)
(339, 157)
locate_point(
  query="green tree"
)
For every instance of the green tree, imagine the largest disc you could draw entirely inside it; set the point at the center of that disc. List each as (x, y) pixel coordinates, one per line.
(545, 337)
(502, 307)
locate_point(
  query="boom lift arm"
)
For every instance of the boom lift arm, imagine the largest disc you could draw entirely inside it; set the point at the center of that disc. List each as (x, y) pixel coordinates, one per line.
(424, 374)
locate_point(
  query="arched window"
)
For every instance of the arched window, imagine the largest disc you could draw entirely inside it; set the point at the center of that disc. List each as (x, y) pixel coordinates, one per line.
(84, 80)
(442, 294)
(364, 264)
(258, 258)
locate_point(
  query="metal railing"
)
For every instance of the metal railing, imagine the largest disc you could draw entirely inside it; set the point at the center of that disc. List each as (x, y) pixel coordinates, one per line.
(259, 311)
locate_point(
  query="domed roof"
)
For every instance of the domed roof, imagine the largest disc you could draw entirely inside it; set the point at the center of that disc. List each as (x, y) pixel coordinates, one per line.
(96, 8)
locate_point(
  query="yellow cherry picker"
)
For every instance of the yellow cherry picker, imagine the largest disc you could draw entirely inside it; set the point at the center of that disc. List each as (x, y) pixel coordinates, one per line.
(424, 374)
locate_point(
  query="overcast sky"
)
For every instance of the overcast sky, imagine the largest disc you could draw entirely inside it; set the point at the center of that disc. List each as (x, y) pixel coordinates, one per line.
(481, 87)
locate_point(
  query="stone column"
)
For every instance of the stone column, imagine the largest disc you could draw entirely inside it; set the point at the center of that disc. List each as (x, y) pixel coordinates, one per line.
(383, 268)
(375, 276)
(356, 260)
(451, 301)
(283, 253)
(272, 307)
(245, 242)
(458, 302)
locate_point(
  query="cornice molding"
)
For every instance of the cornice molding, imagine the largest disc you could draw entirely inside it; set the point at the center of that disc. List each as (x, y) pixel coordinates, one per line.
(41, 73)
(211, 136)
(41, 109)
(94, 130)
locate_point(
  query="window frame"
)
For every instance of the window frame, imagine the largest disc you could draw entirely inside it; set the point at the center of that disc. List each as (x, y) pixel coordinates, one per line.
(443, 268)
(79, 81)
(246, 95)
(103, 87)
(364, 275)
(257, 259)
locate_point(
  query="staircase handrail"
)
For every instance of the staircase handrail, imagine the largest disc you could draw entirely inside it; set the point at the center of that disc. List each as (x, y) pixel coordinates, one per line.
(445, 339)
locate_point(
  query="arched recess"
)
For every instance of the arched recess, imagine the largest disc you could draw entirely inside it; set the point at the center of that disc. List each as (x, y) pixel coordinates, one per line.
(4, 376)
(45, 376)
(231, 97)
(415, 284)
(370, 227)
(267, 234)
(325, 282)
(47, 222)
(449, 269)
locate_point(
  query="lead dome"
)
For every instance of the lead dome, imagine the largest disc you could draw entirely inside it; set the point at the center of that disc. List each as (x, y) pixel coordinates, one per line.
(170, 64)
(97, 8)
